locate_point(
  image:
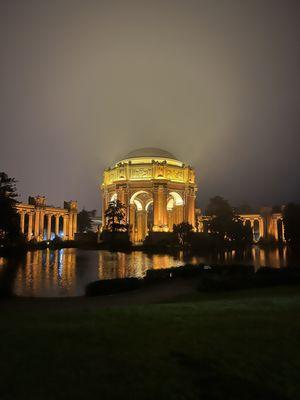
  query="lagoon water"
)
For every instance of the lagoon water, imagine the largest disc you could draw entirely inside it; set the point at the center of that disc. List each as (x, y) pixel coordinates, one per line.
(66, 272)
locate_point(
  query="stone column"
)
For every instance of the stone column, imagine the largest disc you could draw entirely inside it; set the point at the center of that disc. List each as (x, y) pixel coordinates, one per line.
(179, 214)
(57, 225)
(132, 221)
(261, 228)
(22, 222)
(190, 207)
(36, 225)
(42, 225)
(49, 218)
(29, 230)
(275, 229)
(170, 219)
(74, 224)
(70, 226)
(141, 225)
(252, 228)
(65, 224)
(160, 209)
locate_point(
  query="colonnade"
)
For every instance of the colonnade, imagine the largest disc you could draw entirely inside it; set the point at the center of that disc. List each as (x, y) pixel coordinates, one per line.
(41, 222)
(270, 225)
(266, 225)
(253, 220)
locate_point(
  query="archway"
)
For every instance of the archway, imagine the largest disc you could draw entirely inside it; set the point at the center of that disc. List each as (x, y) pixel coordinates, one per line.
(280, 228)
(174, 209)
(139, 217)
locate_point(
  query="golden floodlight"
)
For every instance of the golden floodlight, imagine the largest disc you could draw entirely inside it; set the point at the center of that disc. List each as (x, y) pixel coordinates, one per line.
(157, 190)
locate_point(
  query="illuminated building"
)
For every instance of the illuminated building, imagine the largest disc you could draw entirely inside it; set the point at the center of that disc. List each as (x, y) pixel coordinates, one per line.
(156, 188)
(42, 222)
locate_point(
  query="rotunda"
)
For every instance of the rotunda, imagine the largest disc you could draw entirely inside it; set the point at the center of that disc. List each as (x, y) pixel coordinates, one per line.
(156, 188)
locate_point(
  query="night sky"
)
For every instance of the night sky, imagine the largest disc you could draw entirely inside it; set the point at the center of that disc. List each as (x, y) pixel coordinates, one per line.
(217, 83)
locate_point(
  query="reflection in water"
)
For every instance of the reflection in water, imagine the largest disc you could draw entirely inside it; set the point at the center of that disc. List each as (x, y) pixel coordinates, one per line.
(47, 273)
(135, 264)
(66, 272)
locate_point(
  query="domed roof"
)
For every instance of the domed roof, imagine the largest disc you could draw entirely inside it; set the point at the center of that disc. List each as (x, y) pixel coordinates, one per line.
(149, 152)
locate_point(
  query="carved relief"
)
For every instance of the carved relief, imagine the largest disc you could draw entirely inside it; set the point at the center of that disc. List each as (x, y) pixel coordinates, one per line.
(141, 173)
(174, 174)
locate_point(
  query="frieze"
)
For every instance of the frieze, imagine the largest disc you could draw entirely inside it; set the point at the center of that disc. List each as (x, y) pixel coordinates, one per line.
(140, 173)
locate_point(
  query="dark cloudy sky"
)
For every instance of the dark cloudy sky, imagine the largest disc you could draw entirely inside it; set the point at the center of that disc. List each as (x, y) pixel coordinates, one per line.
(215, 82)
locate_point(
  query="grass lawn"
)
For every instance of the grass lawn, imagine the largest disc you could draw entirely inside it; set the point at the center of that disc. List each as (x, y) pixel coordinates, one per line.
(238, 345)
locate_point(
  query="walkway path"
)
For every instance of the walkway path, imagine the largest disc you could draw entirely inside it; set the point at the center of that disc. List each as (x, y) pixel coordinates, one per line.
(155, 293)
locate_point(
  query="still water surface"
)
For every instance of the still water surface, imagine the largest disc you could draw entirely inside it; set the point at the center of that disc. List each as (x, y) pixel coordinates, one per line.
(65, 272)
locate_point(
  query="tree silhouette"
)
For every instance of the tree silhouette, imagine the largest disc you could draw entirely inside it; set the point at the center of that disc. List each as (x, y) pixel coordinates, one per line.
(225, 223)
(84, 220)
(183, 231)
(9, 218)
(115, 216)
(291, 221)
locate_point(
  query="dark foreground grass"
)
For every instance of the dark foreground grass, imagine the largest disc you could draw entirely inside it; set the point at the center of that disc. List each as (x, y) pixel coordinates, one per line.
(231, 346)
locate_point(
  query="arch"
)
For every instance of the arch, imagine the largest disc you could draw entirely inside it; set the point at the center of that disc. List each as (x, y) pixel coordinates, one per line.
(114, 197)
(177, 198)
(148, 204)
(136, 194)
(138, 204)
(170, 204)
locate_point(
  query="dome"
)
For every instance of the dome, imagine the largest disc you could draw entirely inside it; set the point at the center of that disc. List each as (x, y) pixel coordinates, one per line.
(150, 152)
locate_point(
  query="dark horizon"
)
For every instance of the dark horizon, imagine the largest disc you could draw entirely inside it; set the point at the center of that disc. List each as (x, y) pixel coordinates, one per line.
(218, 85)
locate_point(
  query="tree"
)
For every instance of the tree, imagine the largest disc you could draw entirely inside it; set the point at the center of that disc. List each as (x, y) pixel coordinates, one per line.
(115, 216)
(225, 223)
(244, 208)
(291, 221)
(9, 218)
(183, 231)
(222, 216)
(84, 220)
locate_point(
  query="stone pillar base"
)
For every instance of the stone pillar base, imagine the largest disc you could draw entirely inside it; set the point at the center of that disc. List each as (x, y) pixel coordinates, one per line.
(160, 228)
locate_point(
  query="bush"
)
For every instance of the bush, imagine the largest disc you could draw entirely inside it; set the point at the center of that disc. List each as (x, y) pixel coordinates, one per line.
(111, 286)
(267, 276)
(185, 271)
(231, 278)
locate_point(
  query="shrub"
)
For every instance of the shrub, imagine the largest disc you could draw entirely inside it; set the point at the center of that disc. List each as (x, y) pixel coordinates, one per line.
(111, 286)
(185, 271)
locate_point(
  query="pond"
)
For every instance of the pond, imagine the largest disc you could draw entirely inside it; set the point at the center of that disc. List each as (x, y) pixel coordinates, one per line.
(65, 272)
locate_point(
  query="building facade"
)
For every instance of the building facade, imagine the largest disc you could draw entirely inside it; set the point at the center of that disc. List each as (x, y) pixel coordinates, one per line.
(156, 188)
(40, 222)
(159, 191)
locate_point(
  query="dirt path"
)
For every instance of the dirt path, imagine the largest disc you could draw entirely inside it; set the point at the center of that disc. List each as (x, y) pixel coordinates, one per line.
(156, 293)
